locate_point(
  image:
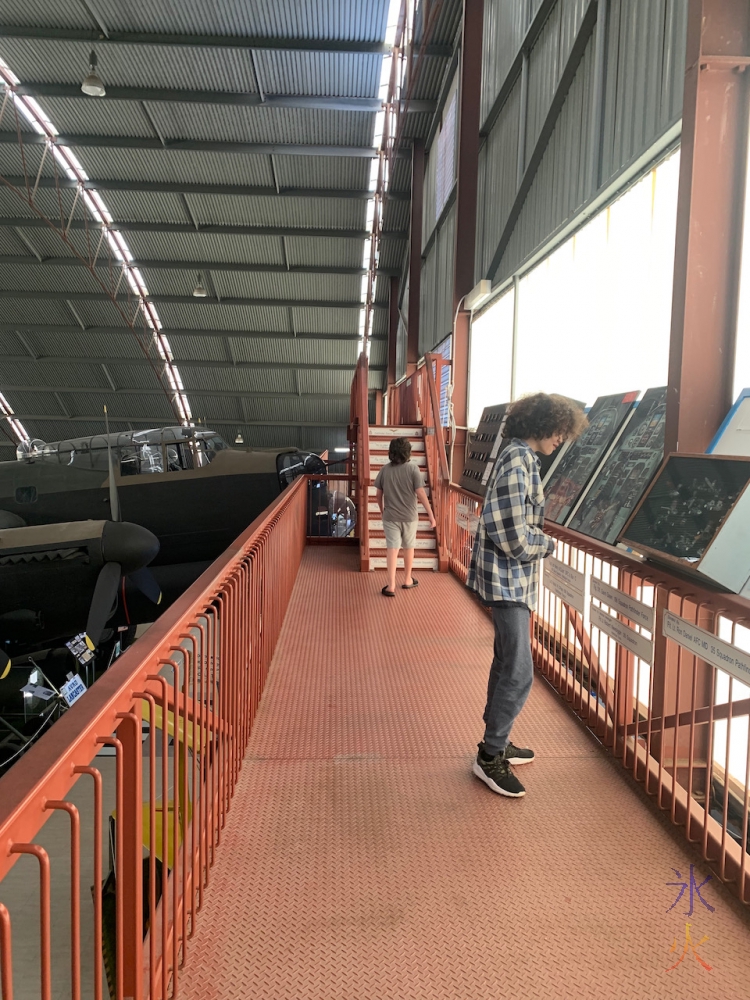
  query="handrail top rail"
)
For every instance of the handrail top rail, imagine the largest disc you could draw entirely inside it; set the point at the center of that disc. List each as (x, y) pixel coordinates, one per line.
(46, 770)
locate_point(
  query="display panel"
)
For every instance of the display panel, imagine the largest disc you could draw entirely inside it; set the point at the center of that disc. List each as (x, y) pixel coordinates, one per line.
(733, 437)
(482, 450)
(619, 484)
(580, 462)
(687, 504)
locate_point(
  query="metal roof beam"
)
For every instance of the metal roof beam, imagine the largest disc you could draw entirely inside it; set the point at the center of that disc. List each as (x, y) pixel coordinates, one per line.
(92, 36)
(199, 145)
(187, 363)
(313, 397)
(223, 98)
(193, 265)
(66, 296)
(109, 331)
(161, 421)
(35, 222)
(192, 187)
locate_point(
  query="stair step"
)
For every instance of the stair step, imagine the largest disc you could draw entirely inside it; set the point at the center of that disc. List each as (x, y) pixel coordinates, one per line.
(373, 491)
(420, 562)
(377, 524)
(378, 542)
(373, 508)
(379, 445)
(378, 461)
(392, 432)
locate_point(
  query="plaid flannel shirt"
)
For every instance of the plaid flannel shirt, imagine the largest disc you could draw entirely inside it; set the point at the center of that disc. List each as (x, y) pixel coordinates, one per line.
(510, 542)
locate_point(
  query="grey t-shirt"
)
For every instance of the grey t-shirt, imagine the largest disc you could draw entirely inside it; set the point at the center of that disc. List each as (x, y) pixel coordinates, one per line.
(399, 484)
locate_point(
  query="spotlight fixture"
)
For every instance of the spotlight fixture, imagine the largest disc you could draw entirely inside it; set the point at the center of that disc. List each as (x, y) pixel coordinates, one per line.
(93, 85)
(239, 439)
(199, 291)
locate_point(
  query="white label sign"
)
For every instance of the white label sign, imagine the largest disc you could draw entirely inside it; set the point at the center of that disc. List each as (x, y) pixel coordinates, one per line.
(466, 519)
(632, 609)
(566, 582)
(72, 690)
(625, 636)
(707, 646)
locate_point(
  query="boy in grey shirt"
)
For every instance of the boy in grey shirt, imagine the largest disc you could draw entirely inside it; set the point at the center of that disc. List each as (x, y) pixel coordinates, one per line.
(399, 485)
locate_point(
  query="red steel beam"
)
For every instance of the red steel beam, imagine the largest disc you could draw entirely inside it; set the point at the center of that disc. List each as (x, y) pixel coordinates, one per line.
(415, 255)
(709, 222)
(469, 91)
(392, 333)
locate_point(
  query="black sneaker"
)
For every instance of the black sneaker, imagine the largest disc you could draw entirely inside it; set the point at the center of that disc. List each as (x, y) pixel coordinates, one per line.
(518, 755)
(498, 776)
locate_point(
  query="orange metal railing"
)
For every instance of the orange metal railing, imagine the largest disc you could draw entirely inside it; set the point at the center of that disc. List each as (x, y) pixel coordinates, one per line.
(669, 721)
(359, 439)
(196, 677)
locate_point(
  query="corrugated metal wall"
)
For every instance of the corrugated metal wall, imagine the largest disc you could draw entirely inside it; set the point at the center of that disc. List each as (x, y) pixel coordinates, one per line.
(436, 301)
(643, 83)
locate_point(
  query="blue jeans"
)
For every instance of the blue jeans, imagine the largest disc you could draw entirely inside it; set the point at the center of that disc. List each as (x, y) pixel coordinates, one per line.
(511, 675)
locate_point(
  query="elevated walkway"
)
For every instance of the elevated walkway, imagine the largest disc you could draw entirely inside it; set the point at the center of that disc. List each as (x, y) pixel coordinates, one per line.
(360, 858)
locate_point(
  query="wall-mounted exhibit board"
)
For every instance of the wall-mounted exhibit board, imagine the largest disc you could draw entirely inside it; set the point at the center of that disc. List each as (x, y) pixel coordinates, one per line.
(581, 460)
(482, 450)
(696, 515)
(618, 485)
(733, 437)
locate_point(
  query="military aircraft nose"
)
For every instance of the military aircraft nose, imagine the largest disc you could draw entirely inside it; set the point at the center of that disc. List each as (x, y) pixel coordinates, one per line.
(128, 544)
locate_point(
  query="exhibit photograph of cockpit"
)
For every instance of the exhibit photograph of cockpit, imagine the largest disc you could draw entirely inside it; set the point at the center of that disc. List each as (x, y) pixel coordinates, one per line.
(374, 499)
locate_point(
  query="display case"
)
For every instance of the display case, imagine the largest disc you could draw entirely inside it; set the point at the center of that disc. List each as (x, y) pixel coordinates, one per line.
(733, 437)
(615, 490)
(580, 462)
(482, 449)
(696, 516)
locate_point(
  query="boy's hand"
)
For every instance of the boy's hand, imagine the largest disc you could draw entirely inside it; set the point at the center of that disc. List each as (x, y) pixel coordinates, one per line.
(433, 522)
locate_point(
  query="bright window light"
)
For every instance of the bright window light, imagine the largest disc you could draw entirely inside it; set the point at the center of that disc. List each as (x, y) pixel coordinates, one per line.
(363, 287)
(379, 126)
(370, 214)
(374, 171)
(489, 365)
(394, 9)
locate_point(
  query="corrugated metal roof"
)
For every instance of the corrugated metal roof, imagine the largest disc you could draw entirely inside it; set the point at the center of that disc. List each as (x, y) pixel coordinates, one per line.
(330, 74)
(323, 213)
(176, 165)
(223, 317)
(302, 251)
(142, 206)
(64, 13)
(296, 352)
(222, 123)
(35, 311)
(286, 18)
(309, 320)
(208, 246)
(242, 379)
(39, 278)
(72, 116)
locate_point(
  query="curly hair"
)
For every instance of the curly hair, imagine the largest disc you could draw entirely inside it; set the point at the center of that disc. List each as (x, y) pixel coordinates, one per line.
(399, 451)
(541, 416)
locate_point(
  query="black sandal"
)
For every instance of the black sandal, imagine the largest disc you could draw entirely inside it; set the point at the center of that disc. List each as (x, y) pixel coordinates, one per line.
(409, 586)
(387, 593)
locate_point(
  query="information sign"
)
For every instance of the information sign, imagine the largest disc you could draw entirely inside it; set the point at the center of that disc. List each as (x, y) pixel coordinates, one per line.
(566, 582)
(631, 608)
(72, 690)
(623, 635)
(707, 647)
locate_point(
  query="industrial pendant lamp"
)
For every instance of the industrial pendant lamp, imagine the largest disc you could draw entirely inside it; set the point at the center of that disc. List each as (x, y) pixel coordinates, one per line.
(199, 291)
(239, 439)
(93, 85)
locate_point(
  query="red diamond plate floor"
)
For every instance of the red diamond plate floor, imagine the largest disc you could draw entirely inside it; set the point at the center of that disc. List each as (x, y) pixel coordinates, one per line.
(362, 861)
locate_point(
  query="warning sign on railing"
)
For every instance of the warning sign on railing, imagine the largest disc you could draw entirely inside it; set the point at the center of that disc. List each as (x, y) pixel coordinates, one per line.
(466, 519)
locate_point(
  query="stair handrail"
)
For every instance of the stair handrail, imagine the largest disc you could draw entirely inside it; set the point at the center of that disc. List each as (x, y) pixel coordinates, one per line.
(360, 437)
(434, 445)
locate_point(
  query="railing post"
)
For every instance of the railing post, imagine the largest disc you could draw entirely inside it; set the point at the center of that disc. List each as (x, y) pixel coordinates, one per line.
(131, 887)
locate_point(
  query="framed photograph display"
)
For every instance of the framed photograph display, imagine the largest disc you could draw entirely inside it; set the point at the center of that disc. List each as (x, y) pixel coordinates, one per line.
(694, 516)
(620, 482)
(580, 462)
(733, 437)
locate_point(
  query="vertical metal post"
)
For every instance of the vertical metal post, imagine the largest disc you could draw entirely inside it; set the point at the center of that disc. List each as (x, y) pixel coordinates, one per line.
(514, 342)
(709, 223)
(469, 93)
(415, 254)
(392, 333)
(597, 97)
(523, 117)
(130, 819)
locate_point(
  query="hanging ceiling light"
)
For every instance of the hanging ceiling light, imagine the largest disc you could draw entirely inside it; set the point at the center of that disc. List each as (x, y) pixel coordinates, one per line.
(239, 439)
(93, 85)
(199, 291)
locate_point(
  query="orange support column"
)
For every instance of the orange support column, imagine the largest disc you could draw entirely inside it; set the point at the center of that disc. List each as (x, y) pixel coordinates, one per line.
(415, 255)
(470, 83)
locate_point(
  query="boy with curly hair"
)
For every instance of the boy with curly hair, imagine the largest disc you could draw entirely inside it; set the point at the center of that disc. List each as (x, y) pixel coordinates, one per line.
(504, 572)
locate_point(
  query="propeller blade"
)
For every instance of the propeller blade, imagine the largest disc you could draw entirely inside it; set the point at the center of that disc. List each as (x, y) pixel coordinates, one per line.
(144, 580)
(105, 593)
(4, 665)
(114, 500)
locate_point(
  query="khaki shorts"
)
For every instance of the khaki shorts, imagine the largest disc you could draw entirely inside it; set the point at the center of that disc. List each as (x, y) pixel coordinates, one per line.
(400, 534)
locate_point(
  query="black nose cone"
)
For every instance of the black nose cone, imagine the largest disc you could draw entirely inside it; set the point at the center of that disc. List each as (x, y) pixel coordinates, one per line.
(130, 545)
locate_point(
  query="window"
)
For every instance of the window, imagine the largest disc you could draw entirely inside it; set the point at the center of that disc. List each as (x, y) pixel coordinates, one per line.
(445, 170)
(26, 494)
(490, 359)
